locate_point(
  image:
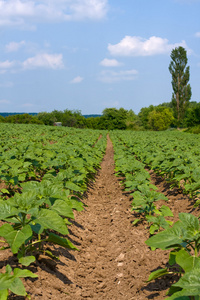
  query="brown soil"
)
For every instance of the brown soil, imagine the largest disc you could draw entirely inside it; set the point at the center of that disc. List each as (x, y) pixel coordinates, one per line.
(113, 262)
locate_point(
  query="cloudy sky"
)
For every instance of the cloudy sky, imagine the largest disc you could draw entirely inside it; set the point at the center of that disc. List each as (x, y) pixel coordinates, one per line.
(93, 54)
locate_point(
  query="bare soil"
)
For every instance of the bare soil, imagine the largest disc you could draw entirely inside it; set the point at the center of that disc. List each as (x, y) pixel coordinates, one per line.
(113, 262)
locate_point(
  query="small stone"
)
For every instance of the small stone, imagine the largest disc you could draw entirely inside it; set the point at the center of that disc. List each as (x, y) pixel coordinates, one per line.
(120, 258)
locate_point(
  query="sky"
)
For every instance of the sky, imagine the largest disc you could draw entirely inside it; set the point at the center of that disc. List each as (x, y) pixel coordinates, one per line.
(89, 55)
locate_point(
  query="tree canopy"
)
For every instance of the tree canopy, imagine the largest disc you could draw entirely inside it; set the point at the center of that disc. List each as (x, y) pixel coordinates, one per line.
(180, 77)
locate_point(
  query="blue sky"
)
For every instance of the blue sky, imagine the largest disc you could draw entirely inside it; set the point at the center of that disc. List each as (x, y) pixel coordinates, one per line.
(93, 54)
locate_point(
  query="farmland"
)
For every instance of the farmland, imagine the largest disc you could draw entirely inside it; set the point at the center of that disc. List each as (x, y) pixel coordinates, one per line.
(81, 229)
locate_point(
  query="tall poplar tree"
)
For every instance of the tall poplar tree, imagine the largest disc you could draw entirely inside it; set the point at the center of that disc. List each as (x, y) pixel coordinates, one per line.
(180, 77)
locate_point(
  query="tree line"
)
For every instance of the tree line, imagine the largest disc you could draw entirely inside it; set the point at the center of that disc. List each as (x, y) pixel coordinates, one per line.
(180, 112)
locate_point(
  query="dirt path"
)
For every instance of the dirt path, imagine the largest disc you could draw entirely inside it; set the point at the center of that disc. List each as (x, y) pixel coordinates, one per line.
(113, 262)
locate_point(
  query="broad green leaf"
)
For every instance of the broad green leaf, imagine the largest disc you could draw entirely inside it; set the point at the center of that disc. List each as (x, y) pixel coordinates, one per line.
(153, 228)
(186, 261)
(5, 281)
(184, 294)
(7, 210)
(190, 281)
(75, 204)
(8, 269)
(166, 211)
(4, 294)
(168, 238)
(54, 238)
(27, 260)
(5, 191)
(50, 219)
(22, 273)
(17, 287)
(37, 228)
(72, 186)
(6, 229)
(63, 209)
(17, 237)
(26, 201)
(191, 223)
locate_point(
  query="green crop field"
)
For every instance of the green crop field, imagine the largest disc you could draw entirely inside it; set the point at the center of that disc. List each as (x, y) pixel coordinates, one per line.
(45, 171)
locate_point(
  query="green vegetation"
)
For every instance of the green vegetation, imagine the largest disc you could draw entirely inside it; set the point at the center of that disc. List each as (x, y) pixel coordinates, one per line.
(44, 172)
(184, 240)
(175, 156)
(180, 78)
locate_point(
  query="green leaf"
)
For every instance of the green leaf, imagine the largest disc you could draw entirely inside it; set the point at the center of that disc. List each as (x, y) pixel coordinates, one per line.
(4, 294)
(63, 209)
(157, 274)
(190, 281)
(135, 221)
(179, 296)
(172, 258)
(17, 237)
(27, 260)
(5, 191)
(168, 238)
(183, 295)
(17, 287)
(54, 238)
(166, 211)
(7, 210)
(186, 261)
(5, 281)
(22, 273)
(5, 229)
(37, 228)
(72, 186)
(153, 228)
(51, 220)
(191, 223)
(8, 269)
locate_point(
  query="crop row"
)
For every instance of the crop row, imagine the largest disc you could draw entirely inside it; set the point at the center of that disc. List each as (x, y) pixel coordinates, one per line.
(44, 173)
(175, 156)
(164, 153)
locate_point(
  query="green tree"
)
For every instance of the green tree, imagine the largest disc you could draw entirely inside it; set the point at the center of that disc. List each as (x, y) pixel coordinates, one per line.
(160, 118)
(113, 118)
(132, 120)
(144, 116)
(180, 78)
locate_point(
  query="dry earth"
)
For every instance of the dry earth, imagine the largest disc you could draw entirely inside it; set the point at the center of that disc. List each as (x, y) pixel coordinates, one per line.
(113, 262)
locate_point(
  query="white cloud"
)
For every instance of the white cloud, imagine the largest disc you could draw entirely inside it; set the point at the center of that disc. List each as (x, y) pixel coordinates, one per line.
(138, 46)
(23, 12)
(14, 46)
(77, 79)
(6, 66)
(44, 60)
(110, 63)
(111, 76)
(90, 9)
(197, 34)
